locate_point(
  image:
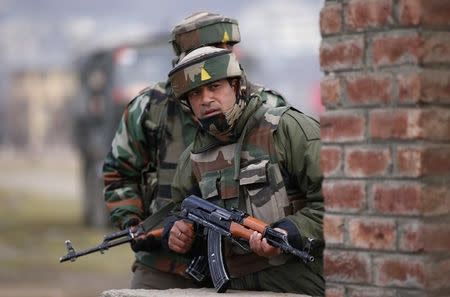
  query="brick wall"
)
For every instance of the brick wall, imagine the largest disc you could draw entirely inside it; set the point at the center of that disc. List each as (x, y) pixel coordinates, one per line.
(386, 147)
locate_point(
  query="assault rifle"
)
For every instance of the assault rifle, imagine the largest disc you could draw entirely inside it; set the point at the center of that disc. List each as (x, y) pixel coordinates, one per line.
(122, 237)
(235, 225)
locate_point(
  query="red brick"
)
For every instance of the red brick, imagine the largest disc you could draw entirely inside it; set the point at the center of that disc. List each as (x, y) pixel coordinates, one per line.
(431, 124)
(438, 274)
(437, 237)
(371, 292)
(331, 19)
(347, 267)
(437, 201)
(374, 234)
(367, 162)
(435, 86)
(342, 126)
(363, 14)
(330, 160)
(437, 48)
(409, 161)
(436, 13)
(348, 196)
(334, 291)
(430, 13)
(333, 229)
(410, 12)
(397, 49)
(369, 89)
(411, 236)
(410, 87)
(341, 55)
(391, 123)
(431, 86)
(399, 270)
(330, 91)
(422, 161)
(398, 198)
(436, 161)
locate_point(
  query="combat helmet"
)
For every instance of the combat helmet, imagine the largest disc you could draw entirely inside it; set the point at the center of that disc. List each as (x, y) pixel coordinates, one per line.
(204, 28)
(203, 66)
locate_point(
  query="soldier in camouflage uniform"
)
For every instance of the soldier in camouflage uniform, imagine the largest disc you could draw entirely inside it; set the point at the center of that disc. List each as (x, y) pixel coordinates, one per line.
(152, 134)
(247, 155)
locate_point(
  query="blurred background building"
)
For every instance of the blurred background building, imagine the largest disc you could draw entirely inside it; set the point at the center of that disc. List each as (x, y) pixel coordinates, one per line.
(44, 39)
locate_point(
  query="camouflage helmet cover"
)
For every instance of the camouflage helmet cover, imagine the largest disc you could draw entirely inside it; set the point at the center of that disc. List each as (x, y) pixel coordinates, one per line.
(203, 66)
(204, 28)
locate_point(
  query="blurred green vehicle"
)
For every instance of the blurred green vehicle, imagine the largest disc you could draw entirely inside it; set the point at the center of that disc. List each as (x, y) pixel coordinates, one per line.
(109, 78)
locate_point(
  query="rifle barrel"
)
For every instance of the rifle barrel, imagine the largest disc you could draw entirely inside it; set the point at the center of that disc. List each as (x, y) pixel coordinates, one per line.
(105, 245)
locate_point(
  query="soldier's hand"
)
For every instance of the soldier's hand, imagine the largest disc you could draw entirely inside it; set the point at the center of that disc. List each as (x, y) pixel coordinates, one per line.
(261, 247)
(181, 236)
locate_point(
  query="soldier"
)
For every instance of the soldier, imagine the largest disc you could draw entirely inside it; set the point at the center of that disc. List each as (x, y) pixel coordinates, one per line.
(153, 132)
(260, 159)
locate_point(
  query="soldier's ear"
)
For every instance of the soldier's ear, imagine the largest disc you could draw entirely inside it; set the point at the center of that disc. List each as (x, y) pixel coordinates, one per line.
(234, 83)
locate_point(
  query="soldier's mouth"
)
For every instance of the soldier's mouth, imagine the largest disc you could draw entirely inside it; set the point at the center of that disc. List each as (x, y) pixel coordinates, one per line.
(211, 113)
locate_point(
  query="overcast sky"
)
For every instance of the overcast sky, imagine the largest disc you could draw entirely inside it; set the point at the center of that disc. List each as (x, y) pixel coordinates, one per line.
(287, 27)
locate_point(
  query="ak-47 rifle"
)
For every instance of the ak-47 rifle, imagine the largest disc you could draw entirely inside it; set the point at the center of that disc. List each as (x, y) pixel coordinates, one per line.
(235, 225)
(122, 237)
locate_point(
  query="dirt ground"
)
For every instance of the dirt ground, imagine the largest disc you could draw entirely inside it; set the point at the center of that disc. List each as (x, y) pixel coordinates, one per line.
(41, 208)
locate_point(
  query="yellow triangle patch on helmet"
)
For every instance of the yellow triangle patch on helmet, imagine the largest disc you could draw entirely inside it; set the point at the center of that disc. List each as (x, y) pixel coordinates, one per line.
(225, 38)
(204, 75)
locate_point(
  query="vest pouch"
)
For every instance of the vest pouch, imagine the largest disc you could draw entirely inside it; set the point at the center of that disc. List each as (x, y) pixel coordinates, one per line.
(218, 189)
(259, 183)
(278, 188)
(253, 178)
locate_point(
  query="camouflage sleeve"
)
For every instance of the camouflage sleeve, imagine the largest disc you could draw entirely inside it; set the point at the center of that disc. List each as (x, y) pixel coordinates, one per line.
(297, 141)
(124, 163)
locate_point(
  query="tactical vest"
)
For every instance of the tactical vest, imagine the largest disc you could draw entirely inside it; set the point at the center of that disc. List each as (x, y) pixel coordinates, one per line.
(247, 175)
(170, 126)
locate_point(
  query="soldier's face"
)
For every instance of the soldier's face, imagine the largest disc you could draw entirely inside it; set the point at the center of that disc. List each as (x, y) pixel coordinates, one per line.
(213, 99)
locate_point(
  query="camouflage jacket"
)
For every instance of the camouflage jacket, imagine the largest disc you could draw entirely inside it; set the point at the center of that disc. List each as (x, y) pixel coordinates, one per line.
(139, 169)
(276, 161)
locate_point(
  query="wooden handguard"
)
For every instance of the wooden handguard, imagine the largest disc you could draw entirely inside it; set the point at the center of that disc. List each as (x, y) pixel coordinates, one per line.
(239, 231)
(255, 224)
(157, 233)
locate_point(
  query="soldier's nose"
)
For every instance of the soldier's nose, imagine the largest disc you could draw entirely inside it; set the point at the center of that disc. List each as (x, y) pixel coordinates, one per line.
(205, 96)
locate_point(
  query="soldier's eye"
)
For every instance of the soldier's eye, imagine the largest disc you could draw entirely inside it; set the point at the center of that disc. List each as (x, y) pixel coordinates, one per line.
(193, 94)
(215, 86)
